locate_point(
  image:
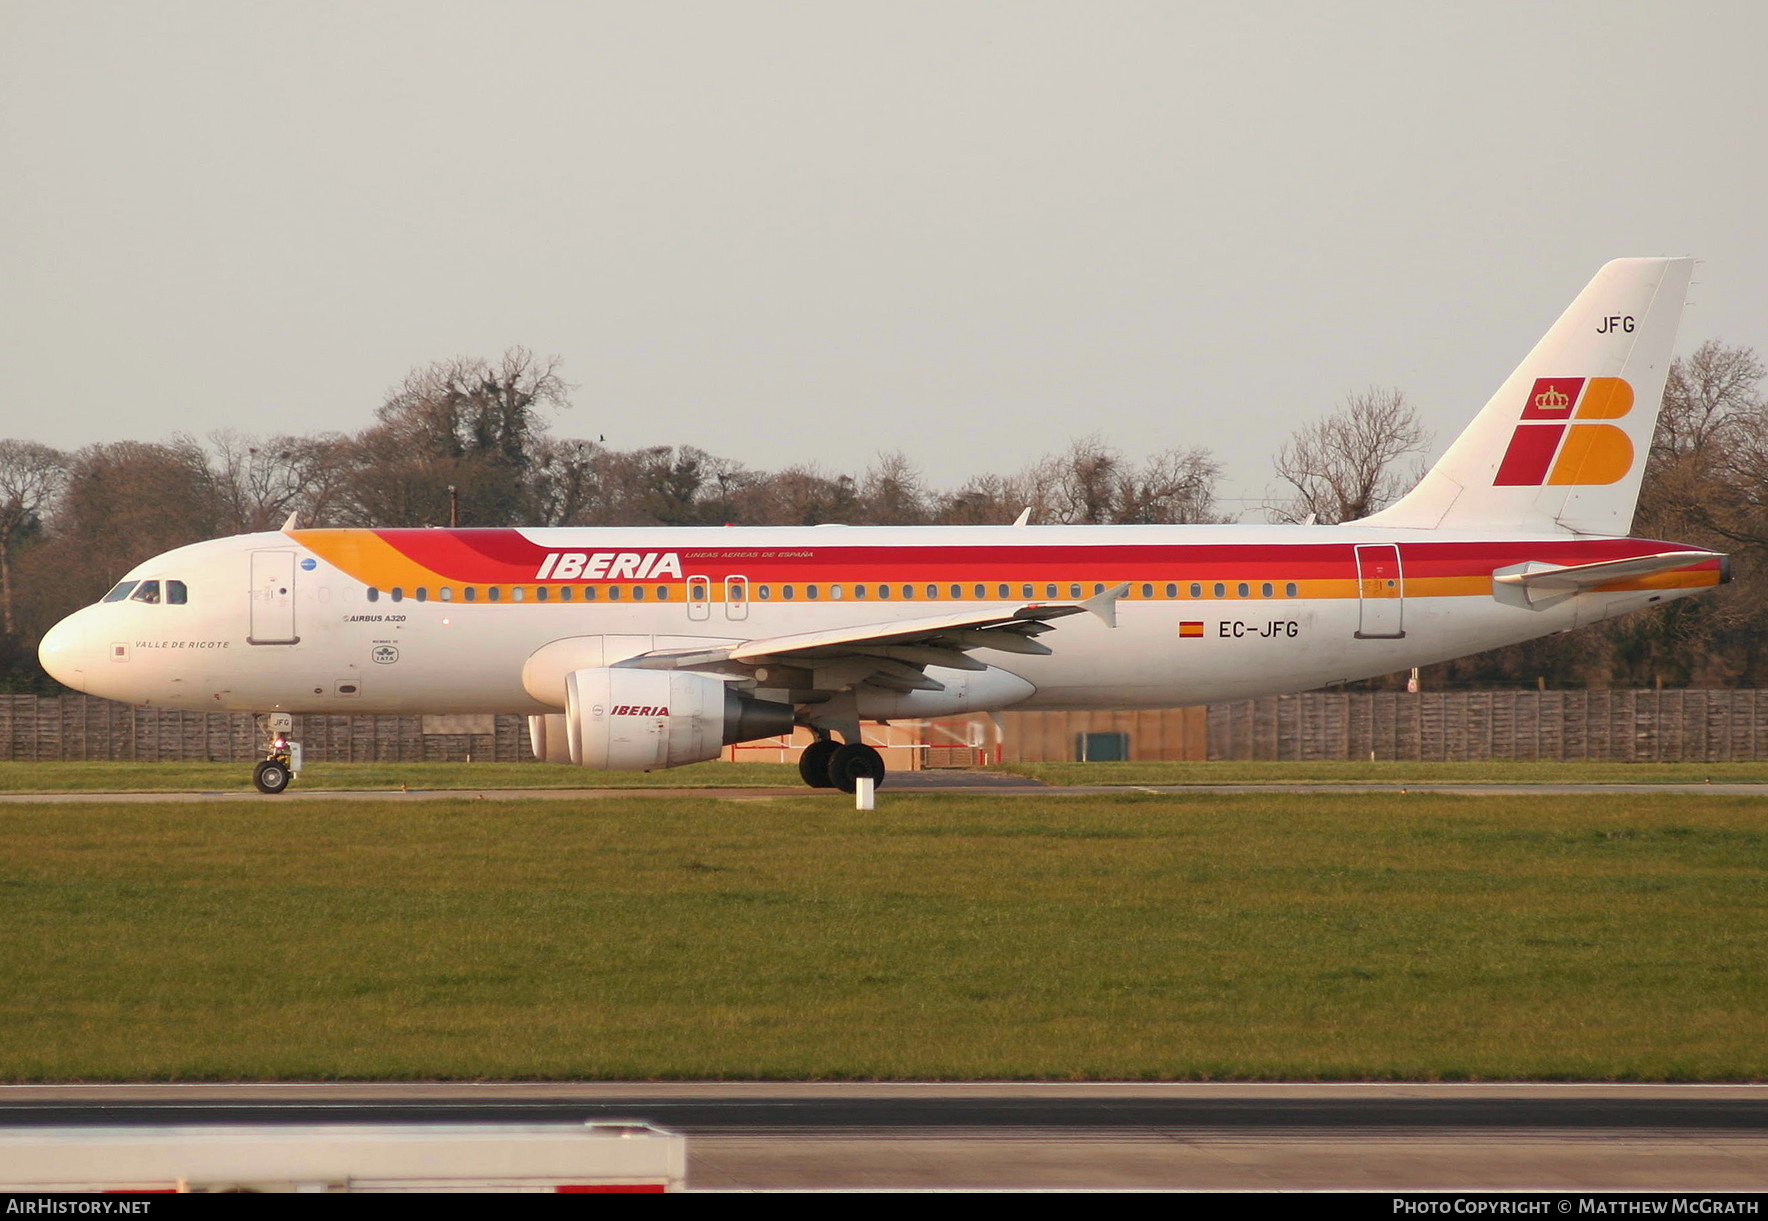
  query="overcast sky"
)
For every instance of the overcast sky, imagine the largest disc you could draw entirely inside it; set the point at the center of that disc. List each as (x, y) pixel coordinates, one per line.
(811, 232)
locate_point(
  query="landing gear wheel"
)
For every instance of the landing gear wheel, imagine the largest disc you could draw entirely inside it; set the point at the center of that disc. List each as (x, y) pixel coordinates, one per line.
(852, 761)
(813, 764)
(271, 776)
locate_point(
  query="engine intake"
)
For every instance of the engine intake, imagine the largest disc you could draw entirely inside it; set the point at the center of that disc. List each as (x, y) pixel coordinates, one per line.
(639, 720)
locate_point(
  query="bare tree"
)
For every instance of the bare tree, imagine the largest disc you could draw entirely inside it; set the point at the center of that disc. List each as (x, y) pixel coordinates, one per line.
(1090, 483)
(1707, 398)
(891, 493)
(260, 482)
(31, 475)
(467, 423)
(1345, 467)
(1709, 456)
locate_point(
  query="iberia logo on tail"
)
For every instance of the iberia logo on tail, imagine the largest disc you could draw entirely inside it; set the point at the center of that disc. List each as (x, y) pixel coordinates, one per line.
(1555, 442)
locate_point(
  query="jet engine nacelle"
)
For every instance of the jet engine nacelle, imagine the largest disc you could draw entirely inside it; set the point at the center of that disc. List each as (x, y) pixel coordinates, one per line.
(637, 720)
(547, 737)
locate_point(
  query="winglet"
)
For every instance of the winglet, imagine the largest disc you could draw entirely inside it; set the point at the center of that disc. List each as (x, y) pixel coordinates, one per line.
(1024, 518)
(293, 522)
(1105, 605)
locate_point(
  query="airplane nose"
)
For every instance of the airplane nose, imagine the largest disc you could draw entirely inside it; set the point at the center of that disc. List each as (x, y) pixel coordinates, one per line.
(65, 651)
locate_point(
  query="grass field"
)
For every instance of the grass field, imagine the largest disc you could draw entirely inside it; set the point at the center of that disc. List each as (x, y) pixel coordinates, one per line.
(237, 777)
(1128, 936)
(1426, 772)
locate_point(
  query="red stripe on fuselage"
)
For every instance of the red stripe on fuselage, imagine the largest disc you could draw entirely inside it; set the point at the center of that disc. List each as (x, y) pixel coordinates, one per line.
(492, 557)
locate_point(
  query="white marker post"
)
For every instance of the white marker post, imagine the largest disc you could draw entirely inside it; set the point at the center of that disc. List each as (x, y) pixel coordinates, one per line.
(863, 794)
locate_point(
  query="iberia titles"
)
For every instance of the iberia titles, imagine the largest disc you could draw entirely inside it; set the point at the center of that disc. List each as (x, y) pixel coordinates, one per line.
(609, 566)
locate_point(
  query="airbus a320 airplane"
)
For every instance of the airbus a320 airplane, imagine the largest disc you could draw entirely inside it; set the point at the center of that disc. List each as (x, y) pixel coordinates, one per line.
(650, 648)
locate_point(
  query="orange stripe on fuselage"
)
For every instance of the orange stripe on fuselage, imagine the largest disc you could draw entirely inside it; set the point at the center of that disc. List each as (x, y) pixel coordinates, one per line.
(412, 559)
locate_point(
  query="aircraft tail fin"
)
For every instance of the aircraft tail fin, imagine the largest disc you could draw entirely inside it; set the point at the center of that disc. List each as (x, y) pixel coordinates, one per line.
(1562, 445)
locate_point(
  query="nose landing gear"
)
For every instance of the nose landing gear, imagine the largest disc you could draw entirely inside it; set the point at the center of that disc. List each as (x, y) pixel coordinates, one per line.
(282, 758)
(272, 775)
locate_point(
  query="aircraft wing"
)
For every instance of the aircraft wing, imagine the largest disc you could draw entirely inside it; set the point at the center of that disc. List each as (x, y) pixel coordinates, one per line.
(892, 655)
(1541, 581)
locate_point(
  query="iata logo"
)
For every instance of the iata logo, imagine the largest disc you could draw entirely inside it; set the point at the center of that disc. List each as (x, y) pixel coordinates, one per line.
(609, 566)
(641, 710)
(1555, 444)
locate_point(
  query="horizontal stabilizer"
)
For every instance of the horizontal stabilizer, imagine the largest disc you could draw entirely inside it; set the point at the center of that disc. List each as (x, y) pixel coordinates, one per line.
(1543, 581)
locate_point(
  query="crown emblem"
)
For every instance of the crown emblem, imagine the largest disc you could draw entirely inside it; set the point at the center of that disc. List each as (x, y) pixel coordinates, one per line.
(1551, 399)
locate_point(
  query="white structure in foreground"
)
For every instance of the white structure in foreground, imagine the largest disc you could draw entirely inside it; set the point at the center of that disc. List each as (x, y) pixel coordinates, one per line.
(550, 1157)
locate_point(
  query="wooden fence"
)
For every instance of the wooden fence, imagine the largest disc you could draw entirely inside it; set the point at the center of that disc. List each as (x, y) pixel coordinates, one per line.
(1604, 726)
(81, 727)
(1622, 726)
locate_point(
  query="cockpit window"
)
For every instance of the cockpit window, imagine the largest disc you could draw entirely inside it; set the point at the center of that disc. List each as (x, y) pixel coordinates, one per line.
(147, 591)
(120, 592)
(176, 594)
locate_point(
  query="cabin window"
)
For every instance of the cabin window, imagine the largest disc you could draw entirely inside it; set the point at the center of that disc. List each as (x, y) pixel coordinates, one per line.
(638, 593)
(147, 591)
(788, 592)
(859, 591)
(1003, 591)
(1025, 591)
(932, 591)
(1221, 591)
(1098, 588)
(766, 591)
(517, 593)
(1147, 591)
(1266, 590)
(613, 593)
(1243, 589)
(176, 594)
(540, 593)
(564, 593)
(422, 593)
(493, 593)
(469, 594)
(662, 593)
(813, 592)
(1172, 591)
(1050, 591)
(908, 591)
(835, 592)
(589, 593)
(958, 591)
(120, 592)
(1289, 590)
(1074, 591)
(374, 595)
(398, 593)
(697, 591)
(446, 593)
(884, 591)
(1196, 590)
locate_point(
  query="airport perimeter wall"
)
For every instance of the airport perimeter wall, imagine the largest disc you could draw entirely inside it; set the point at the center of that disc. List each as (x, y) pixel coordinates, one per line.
(1623, 726)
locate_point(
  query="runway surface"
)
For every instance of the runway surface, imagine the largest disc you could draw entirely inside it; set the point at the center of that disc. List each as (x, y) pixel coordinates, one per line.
(974, 784)
(747, 1136)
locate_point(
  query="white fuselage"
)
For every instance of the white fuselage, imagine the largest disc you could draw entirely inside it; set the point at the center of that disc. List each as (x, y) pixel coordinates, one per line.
(357, 621)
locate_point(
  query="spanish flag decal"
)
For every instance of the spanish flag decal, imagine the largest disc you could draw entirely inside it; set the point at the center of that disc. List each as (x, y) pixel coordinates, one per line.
(1191, 629)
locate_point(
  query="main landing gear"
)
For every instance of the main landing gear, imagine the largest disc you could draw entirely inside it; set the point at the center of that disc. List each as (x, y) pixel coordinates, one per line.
(828, 764)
